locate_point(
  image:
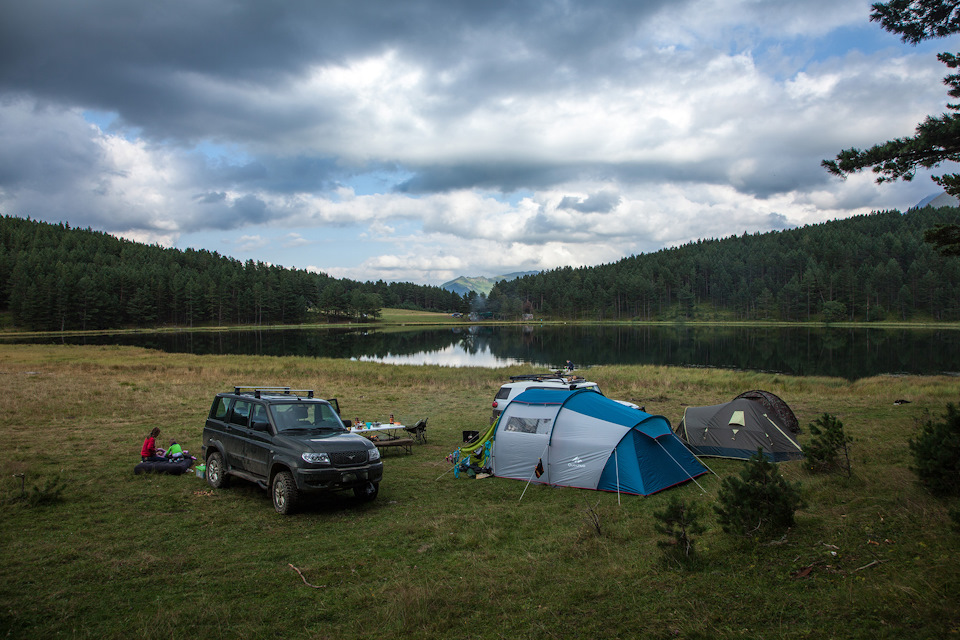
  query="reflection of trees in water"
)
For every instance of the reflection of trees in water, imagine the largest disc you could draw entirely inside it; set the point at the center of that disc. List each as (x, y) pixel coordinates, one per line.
(848, 353)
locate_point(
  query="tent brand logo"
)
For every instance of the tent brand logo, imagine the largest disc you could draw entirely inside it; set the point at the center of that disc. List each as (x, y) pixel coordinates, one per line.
(576, 463)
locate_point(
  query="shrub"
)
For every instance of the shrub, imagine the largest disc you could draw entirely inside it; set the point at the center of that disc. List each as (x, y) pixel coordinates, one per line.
(936, 454)
(759, 502)
(829, 440)
(679, 521)
(50, 492)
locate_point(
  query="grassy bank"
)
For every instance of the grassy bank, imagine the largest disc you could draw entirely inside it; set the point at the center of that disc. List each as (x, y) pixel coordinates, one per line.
(122, 556)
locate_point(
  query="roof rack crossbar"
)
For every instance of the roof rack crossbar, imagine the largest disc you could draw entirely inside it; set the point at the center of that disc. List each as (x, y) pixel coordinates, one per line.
(238, 389)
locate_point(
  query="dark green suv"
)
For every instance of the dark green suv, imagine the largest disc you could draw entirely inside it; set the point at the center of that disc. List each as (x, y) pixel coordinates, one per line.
(288, 441)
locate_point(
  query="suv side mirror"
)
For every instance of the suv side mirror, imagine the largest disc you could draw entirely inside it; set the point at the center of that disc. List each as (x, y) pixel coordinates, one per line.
(348, 423)
(260, 425)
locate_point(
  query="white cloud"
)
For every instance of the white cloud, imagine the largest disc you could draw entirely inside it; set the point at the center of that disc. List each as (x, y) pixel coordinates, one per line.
(490, 147)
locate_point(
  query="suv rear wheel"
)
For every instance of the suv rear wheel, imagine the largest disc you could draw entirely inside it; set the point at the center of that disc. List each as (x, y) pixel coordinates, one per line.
(285, 494)
(216, 471)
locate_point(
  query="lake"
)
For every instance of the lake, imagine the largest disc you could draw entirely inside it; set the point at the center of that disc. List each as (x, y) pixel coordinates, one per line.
(850, 353)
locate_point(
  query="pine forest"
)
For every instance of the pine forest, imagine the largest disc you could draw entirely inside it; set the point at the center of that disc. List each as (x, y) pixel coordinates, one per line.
(873, 267)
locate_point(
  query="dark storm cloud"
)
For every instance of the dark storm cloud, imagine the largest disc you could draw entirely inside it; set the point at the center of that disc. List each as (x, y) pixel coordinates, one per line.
(298, 174)
(776, 173)
(602, 202)
(250, 209)
(500, 176)
(211, 198)
(150, 62)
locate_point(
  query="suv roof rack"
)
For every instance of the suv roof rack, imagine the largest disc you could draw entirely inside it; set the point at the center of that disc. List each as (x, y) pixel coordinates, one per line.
(256, 391)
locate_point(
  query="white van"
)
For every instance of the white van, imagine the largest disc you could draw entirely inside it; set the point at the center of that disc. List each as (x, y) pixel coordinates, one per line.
(519, 384)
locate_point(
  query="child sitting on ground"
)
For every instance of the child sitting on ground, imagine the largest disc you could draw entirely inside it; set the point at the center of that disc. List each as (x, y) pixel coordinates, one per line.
(175, 451)
(149, 451)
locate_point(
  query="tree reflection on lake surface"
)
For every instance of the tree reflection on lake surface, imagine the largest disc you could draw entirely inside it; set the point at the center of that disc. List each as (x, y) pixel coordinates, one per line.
(843, 352)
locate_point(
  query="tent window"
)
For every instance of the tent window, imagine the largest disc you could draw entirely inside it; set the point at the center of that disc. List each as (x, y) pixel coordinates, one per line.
(529, 425)
(737, 419)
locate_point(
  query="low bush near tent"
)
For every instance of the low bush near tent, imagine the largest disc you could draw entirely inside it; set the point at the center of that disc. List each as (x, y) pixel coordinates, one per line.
(823, 453)
(680, 522)
(758, 502)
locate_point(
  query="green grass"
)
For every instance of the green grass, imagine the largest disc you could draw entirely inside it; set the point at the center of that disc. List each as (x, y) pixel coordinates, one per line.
(122, 556)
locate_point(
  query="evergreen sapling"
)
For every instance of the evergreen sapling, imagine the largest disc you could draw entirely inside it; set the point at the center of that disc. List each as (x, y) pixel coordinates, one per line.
(759, 501)
(829, 440)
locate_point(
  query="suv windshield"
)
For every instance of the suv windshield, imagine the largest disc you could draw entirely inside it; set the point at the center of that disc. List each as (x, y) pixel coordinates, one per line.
(305, 415)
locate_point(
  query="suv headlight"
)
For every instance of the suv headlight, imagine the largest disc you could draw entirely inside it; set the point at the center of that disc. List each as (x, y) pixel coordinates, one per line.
(373, 454)
(316, 458)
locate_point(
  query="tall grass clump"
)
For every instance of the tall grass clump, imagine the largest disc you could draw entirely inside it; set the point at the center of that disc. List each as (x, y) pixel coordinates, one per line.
(50, 491)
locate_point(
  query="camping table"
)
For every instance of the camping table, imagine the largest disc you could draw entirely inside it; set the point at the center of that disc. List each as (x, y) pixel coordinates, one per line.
(389, 430)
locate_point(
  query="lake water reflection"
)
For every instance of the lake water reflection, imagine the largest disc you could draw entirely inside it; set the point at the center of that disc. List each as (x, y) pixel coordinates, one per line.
(841, 352)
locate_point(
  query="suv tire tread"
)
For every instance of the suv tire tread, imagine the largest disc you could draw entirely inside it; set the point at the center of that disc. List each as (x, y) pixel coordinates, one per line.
(217, 471)
(285, 495)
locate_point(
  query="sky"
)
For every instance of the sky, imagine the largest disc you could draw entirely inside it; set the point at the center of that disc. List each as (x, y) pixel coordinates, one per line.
(422, 140)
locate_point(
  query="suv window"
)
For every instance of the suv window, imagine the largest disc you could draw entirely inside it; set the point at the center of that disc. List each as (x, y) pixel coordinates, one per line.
(259, 414)
(503, 393)
(241, 413)
(219, 411)
(305, 415)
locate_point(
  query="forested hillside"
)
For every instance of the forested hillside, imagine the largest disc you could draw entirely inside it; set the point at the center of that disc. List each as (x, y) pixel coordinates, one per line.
(53, 277)
(871, 267)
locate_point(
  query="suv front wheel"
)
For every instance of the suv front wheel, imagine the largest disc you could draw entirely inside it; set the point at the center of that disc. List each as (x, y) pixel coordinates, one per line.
(285, 493)
(216, 471)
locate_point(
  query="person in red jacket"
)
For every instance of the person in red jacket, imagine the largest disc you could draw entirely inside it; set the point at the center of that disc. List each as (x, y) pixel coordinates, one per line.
(149, 451)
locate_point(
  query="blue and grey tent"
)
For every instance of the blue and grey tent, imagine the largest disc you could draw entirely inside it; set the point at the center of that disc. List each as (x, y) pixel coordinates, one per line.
(582, 439)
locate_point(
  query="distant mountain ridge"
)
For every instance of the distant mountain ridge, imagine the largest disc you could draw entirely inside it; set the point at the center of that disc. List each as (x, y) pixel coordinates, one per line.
(481, 284)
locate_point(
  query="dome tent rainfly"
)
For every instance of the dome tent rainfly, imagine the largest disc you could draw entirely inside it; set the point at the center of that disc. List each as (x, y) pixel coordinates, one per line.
(582, 439)
(736, 429)
(780, 408)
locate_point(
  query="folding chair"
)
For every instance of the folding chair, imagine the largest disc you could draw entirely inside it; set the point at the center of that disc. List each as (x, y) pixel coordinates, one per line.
(418, 431)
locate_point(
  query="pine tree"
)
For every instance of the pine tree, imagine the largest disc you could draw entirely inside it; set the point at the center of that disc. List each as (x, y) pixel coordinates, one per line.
(759, 502)
(936, 454)
(937, 139)
(679, 521)
(829, 439)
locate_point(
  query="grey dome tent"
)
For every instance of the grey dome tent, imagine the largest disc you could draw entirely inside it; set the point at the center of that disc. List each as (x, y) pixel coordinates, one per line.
(776, 405)
(583, 439)
(736, 429)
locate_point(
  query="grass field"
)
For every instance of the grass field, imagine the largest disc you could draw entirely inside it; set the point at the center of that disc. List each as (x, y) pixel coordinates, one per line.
(124, 556)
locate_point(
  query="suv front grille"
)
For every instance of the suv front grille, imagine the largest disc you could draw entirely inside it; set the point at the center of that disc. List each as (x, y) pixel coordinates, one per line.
(349, 458)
